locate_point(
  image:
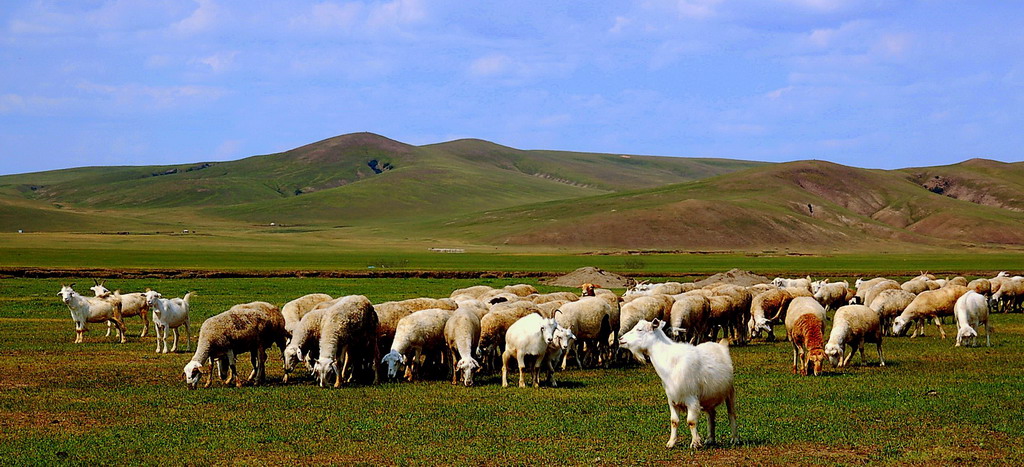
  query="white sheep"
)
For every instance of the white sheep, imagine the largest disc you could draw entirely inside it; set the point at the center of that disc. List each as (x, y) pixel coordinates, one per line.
(348, 329)
(416, 335)
(293, 310)
(92, 310)
(249, 327)
(644, 307)
(931, 304)
(832, 295)
(971, 311)
(462, 334)
(889, 304)
(170, 314)
(688, 317)
(694, 377)
(305, 342)
(530, 336)
(853, 325)
(590, 320)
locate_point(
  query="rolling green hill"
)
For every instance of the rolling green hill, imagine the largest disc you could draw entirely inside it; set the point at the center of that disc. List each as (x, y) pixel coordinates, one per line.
(370, 189)
(800, 205)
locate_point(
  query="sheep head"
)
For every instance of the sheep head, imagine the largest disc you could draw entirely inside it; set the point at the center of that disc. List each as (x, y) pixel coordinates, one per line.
(815, 359)
(291, 358)
(193, 371)
(899, 326)
(393, 359)
(467, 366)
(965, 336)
(323, 368)
(835, 354)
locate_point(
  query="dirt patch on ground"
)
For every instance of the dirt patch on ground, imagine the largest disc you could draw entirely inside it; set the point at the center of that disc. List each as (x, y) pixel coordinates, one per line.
(590, 275)
(735, 277)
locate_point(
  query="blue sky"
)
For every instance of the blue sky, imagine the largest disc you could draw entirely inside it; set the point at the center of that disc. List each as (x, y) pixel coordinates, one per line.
(882, 84)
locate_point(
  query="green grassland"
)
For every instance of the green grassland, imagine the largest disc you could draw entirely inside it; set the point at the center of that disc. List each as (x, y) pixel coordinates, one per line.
(102, 402)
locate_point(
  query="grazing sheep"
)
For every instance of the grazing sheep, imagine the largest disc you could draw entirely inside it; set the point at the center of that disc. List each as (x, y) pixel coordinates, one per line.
(931, 304)
(694, 377)
(958, 280)
(805, 326)
(250, 327)
(417, 335)
(688, 318)
(862, 287)
(1010, 294)
(530, 336)
(889, 304)
(305, 342)
(832, 295)
(971, 311)
(349, 329)
(802, 283)
(476, 306)
(548, 309)
(390, 313)
(768, 308)
(853, 325)
(170, 314)
(915, 286)
(521, 290)
(92, 310)
(552, 297)
(590, 320)
(462, 334)
(132, 304)
(293, 310)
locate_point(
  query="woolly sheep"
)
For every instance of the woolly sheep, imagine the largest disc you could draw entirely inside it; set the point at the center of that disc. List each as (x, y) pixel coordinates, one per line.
(474, 291)
(915, 286)
(931, 304)
(832, 295)
(348, 329)
(805, 326)
(390, 313)
(889, 304)
(293, 310)
(971, 311)
(982, 286)
(694, 377)
(1010, 294)
(853, 325)
(462, 334)
(416, 335)
(251, 327)
(590, 320)
(688, 318)
(552, 297)
(521, 290)
(872, 292)
(305, 342)
(862, 287)
(647, 307)
(768, 308)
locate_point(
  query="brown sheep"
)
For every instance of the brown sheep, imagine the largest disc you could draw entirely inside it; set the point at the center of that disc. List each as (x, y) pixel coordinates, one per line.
(805, 328)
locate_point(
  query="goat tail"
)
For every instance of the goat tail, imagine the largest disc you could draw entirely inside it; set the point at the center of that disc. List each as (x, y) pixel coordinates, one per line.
(188, 297)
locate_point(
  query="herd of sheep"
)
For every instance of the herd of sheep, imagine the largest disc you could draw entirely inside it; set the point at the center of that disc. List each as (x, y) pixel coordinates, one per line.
(672, 325)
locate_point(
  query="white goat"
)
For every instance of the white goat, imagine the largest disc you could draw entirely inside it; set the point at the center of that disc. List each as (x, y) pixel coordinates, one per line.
(971, 311)
(132, 304)
(170, 314)
(92, 310)
(530, 336)
(694, 377)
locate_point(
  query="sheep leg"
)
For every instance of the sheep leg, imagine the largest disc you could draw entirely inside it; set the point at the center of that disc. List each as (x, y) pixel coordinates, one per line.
(988, 335)
(504, 367)
(451, 364)
(209, 374)
(674, 419)
(122, 329)
(576, 355)
(881, 362)
(79, 335)
(692, 415)
(261, 376)
(938, 324)
(254, 359)
(337, 372)
(846, 359)
(109, 325)
(795, 357)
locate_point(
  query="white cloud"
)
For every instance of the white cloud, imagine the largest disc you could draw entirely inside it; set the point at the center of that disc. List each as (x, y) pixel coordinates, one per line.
(697, 9)
(219, 62)
(491, 65)
(204, 18)
(396, 13)
(137, 96)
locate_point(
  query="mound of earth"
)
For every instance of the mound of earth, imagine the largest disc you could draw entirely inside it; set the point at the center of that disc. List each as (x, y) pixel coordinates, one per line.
(735, 277)
(590, 275)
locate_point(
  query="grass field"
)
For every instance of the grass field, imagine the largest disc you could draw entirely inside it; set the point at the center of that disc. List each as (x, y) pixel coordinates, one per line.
(102, 402)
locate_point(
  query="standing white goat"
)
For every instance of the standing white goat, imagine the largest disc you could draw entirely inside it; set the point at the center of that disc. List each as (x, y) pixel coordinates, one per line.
(170, 314)
(92, 310)
(694, 377)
